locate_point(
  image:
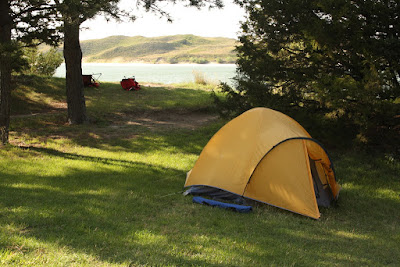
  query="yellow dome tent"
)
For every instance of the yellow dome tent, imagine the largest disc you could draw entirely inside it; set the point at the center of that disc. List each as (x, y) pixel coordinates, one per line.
(267, 156)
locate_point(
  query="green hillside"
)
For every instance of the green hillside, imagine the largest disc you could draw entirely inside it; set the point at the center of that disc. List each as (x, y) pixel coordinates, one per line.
(165, 49)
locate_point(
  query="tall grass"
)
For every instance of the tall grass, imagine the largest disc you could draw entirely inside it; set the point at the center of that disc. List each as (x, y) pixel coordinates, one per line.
(200, 78)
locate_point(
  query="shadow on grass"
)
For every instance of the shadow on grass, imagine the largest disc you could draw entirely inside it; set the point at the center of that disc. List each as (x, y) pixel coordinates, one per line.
(90, 211)
(128, 138)
(119, 211)
(100, 160)
(31, 91)
(114, 128)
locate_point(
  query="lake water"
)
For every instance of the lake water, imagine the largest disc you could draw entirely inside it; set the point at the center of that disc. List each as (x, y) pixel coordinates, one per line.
(156, 73)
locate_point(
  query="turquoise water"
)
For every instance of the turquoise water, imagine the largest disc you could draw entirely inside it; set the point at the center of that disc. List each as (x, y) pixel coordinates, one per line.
(156, 73)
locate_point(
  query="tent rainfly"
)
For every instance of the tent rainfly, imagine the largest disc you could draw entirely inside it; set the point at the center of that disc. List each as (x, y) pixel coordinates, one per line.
(266, 156)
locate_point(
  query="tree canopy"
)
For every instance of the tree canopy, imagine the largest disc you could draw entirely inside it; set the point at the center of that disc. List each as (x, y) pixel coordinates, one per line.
(338, 57)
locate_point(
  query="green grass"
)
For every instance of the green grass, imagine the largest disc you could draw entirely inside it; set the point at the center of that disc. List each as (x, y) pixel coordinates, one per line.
(110, 98)
(35, 94)
(101, 195)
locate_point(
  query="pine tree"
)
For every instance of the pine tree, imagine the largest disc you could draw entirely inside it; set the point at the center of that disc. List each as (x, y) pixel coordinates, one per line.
(340, 57)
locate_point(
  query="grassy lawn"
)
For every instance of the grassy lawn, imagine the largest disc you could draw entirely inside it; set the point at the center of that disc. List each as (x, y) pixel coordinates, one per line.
(108, 193)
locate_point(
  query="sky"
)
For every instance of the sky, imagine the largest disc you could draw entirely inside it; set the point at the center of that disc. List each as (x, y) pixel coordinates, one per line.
(187, 20)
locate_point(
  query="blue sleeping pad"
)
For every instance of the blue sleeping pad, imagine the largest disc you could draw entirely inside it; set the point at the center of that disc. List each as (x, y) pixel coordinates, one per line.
(205, 201)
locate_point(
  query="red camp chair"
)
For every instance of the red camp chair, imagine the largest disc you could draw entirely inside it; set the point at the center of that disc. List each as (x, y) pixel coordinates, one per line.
(130, 84)
(90, 81)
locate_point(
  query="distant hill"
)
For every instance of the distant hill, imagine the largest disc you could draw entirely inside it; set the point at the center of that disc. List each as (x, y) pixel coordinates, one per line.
(166, 49)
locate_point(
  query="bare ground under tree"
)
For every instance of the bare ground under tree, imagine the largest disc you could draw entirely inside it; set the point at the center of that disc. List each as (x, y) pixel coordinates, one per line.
(122, 125)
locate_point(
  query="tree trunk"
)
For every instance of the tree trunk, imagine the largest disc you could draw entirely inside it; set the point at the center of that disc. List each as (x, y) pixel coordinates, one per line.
(5, 70)
(73, 64)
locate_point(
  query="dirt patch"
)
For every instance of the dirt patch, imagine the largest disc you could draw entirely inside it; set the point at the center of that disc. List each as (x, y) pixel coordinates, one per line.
(151, 119)
(119, 128)
(167, 86)
(52, 108)
(166, 119)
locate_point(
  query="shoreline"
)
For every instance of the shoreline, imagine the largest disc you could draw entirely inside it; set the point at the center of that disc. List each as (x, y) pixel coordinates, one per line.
(156, 73)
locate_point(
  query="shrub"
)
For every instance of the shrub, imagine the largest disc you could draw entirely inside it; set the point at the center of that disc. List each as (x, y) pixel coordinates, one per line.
(44, 64)
(173, 60)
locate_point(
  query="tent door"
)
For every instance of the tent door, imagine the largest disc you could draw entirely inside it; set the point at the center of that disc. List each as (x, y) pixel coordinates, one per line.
(323, 193)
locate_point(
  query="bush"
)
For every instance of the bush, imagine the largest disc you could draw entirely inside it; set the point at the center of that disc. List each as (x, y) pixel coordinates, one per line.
(43, 64)
(173, 60)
